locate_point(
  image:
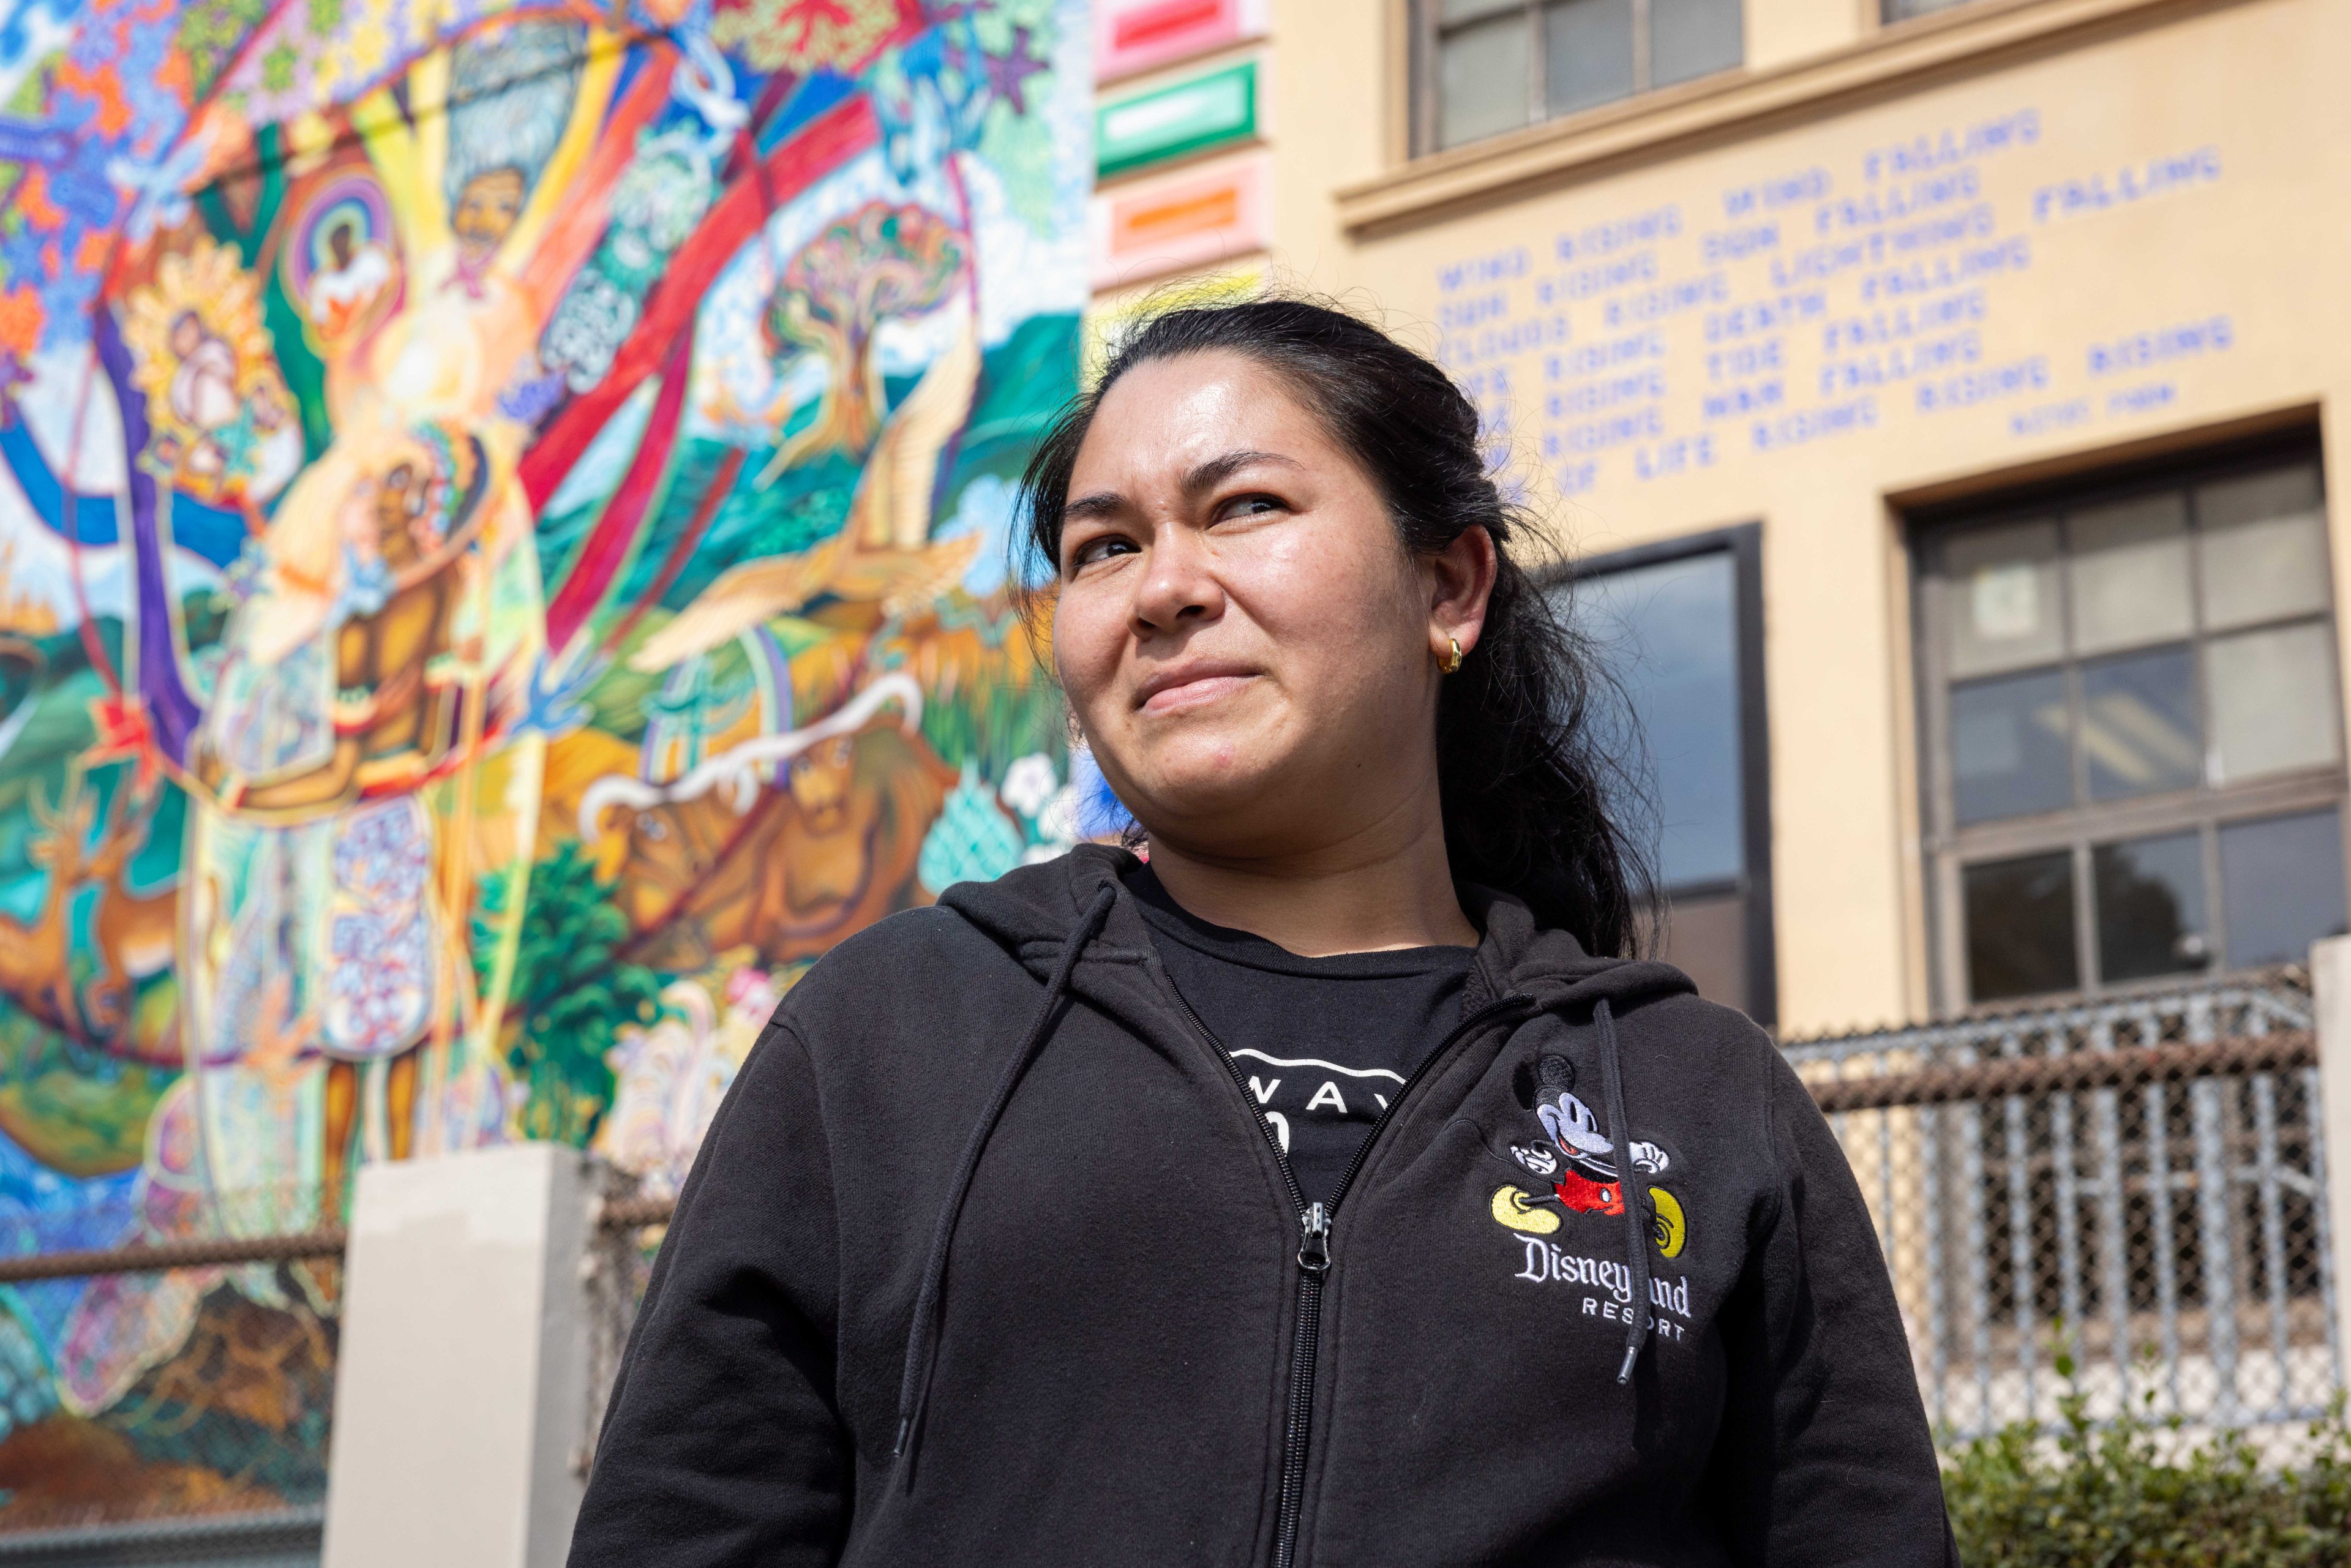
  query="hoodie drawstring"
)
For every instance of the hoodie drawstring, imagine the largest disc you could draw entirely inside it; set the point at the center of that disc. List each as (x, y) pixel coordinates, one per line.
(1637, 1226)
(923, 1333)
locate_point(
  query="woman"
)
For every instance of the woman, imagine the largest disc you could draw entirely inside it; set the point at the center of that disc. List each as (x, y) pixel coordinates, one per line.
(1330, 1189)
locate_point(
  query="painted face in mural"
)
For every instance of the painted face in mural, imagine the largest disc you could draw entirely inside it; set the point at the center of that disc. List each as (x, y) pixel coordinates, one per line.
(203, 389)
(486, 209)
(820, 780)
(1244, 638)
(402, 501)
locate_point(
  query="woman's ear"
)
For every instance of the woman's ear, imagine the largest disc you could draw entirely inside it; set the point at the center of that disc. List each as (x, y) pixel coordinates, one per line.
(1461, 579)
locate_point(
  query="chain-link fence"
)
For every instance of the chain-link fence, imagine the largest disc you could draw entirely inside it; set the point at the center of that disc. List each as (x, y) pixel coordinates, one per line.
(629, 1224)
(167, 1365)
(2123, 1198)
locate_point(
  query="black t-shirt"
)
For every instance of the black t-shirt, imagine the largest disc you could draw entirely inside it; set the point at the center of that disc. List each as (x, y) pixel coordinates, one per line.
(1322, 1043)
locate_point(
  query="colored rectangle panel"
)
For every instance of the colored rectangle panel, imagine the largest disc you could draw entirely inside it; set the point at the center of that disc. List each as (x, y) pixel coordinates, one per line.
(1132, 36)
(1182, 221)
(1215, 109)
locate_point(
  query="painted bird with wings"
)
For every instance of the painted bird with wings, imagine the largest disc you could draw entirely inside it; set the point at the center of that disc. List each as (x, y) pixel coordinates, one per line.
(883, 553)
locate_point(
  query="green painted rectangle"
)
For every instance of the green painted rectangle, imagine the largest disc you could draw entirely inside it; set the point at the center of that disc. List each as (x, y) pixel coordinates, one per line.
(1184, 117)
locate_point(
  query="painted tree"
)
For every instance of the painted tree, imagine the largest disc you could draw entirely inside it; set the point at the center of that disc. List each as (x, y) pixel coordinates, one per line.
(880, 262)
(570, 995)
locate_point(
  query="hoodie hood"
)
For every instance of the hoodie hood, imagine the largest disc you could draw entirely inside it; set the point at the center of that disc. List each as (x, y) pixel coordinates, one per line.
(1030, 912)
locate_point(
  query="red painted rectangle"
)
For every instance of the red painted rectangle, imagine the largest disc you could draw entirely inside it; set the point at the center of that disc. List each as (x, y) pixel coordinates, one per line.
(1132, 36)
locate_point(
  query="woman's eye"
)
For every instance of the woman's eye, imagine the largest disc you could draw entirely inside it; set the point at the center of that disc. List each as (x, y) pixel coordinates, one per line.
(1101, 549)
(1252, 506)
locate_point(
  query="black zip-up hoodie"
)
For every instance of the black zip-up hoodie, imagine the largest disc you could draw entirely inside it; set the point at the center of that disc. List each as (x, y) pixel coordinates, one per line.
(988, 1258)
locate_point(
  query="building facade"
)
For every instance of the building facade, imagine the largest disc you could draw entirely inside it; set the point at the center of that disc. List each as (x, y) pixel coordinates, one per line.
(1934, 407)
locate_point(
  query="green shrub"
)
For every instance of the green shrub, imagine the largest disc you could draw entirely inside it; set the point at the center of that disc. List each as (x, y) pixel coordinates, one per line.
(2134, 1493)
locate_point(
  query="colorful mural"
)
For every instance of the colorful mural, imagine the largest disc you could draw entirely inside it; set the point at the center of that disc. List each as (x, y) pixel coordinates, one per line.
(502, 522)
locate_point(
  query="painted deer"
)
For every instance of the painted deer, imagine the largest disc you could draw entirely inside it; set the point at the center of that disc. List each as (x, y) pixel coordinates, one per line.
(35, 958)
(133, 932)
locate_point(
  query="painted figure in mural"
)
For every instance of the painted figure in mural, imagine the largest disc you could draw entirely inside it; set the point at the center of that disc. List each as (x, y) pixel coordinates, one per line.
(510, 99)
(222, 418)
(397, 597)
(346, 793)
(203, 387)
(357, 273)
(802, 866)
(486, 209)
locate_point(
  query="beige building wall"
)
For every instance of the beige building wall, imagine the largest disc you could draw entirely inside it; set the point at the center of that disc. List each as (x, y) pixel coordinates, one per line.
(2073, 173)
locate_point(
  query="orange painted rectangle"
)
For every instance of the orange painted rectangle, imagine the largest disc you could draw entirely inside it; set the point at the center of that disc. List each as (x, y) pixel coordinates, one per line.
(1167, 220)
(1151, 228)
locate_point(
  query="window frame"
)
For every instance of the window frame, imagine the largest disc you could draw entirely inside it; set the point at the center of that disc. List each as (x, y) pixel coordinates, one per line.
(1743, 543)
(1425, 55)
(1947, 846)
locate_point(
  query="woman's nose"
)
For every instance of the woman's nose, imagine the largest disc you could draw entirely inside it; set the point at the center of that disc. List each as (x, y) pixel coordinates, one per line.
(1180, 584)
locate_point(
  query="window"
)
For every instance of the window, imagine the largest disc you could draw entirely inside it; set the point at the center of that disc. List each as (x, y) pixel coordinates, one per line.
(1491, 66)
(2132, 729)
(1679, 628)
(1903, 10)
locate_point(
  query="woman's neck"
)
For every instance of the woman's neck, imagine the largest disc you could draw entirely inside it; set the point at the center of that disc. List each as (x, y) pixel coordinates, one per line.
(1360, 897)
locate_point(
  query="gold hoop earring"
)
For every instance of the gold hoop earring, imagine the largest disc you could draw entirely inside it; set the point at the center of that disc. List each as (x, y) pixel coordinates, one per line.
(1451, 663)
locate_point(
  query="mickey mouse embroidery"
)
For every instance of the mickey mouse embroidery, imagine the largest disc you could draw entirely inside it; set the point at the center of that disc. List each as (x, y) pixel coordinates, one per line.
(1576, 1160)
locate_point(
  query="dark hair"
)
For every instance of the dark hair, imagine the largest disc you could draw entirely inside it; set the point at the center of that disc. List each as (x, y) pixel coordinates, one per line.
(1518, 769)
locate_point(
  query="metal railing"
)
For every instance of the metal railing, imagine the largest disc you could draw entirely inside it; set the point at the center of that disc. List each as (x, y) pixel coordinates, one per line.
(2123, 1198)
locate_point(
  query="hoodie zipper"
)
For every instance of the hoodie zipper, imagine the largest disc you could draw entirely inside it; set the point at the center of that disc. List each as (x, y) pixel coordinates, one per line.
(1314, 1257)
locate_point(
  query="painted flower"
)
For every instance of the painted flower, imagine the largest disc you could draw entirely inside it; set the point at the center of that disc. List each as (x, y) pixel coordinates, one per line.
(1029, 783)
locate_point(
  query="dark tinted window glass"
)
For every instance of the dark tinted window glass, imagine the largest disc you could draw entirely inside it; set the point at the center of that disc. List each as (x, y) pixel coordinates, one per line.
(1669, 634)
(2138, 724)
(2020, 915)
(2007, 746)
(1706, 938)
(2282, 878)
(2150, 899)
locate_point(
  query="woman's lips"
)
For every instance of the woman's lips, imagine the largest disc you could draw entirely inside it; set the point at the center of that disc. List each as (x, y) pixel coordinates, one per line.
(1178, 690)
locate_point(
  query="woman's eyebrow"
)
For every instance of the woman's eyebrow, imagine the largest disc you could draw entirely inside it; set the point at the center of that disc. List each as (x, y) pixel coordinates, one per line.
(1216, 470)
(1205, 476)
(1101, 504)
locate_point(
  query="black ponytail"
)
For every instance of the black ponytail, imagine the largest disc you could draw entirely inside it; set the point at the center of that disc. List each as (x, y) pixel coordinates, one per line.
(1521, 774)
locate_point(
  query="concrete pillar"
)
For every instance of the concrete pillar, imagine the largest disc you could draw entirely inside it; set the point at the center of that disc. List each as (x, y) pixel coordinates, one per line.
(2330, 985)
(460, 1382)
